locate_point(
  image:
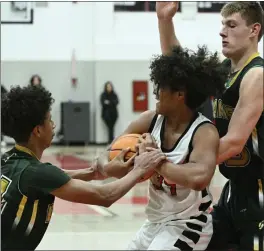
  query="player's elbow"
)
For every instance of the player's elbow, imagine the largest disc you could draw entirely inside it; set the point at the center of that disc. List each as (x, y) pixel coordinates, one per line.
(106, 203)
(237, 148)
(199, 185)
(236, 145)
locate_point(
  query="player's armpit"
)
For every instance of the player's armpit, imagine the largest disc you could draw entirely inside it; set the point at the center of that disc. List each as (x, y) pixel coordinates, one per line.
(246, 115)
(198, 172)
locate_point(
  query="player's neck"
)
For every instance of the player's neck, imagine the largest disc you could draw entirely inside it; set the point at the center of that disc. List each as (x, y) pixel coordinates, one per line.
(31, 149)
(238, 62)
(180, 120)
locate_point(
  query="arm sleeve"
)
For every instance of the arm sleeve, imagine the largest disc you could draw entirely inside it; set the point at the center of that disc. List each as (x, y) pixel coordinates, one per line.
(43, 177)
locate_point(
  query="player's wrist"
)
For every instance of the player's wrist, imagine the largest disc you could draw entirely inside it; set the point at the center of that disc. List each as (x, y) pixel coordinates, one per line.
(165, 20)
(138, 172)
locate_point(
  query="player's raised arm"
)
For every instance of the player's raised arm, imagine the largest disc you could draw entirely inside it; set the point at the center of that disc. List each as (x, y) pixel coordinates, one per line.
(165, 12)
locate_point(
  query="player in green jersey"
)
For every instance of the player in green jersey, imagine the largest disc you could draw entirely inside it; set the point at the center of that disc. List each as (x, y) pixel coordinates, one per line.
(29, 187)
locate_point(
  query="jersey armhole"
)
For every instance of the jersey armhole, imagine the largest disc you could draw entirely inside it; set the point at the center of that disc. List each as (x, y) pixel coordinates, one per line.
(18, 183)
(153, 122)
(190, 147)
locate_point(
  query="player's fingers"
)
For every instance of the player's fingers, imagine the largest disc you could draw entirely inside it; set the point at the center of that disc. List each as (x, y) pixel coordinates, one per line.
(122, 154)
(142, 139)
(131, 160)
(149, 149)
(144, 135)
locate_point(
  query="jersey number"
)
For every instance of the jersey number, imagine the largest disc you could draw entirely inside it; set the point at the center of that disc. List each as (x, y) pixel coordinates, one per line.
(5, 184)
(158, 181)
(241, 159)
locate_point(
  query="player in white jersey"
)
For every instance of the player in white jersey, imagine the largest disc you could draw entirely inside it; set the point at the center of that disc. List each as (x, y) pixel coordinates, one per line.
(177, 212)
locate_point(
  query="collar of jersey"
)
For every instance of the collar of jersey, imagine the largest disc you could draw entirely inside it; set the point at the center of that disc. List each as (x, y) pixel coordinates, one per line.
(26, 150)
(231, 81)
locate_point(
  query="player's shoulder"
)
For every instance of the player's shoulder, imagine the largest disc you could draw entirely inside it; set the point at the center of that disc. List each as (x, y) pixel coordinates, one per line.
(147, 115)
(36, 165)
(204, 126)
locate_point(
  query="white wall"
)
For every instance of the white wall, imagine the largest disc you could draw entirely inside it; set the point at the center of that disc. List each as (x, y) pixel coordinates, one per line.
(96, 32)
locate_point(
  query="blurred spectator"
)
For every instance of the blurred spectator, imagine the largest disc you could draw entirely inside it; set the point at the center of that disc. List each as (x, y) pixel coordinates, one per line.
(109, 102)
(36, 80)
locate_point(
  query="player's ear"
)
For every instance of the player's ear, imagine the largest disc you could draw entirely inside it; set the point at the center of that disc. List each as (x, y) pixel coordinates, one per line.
(37, 131)
(255, 29)
(181, 95)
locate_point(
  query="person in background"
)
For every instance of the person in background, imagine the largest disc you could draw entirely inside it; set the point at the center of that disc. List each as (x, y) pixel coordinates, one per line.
(109, 102)
(35, 80)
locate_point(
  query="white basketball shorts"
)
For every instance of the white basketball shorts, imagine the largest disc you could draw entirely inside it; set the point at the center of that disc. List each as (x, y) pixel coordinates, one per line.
(191, 234)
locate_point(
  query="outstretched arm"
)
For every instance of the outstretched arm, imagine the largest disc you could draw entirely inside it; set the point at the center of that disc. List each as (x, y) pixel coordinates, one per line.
(245, 117)
(165, 12)
(198, 172)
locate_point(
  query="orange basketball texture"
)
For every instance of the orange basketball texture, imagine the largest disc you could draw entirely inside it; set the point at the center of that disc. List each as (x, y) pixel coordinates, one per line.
(123, 142)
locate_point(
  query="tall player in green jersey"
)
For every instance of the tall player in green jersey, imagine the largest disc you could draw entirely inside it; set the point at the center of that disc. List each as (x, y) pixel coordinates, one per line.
(28, 186)
(239, 215)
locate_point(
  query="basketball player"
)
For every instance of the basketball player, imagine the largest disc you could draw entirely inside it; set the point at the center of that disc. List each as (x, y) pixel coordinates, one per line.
(177, 212)
(239, 214)
(28, 186)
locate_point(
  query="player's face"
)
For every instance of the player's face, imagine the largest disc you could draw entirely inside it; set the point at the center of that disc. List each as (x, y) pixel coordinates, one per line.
(168, 102)
(47, 131)
(236, 35)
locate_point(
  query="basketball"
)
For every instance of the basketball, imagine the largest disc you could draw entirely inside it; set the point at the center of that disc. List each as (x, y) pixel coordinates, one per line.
(127, 141)
(123, 142)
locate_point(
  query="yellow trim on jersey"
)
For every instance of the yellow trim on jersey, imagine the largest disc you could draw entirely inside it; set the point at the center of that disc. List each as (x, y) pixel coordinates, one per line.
(26, 150)
(33, 217)
(254, 133)
(20, 211)
(256, 243)
(261, 195)
(230, 83)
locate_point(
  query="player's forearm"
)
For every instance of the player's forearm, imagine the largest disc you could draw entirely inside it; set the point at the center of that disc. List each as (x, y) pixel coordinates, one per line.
(191, 175)
(86, 174)
(113, 191)
(168, 38)
(228, 148)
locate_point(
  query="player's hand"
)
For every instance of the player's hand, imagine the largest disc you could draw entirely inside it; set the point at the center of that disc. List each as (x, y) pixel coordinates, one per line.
(166, 10)
(148, 161)
(146, 140)
(118, 167)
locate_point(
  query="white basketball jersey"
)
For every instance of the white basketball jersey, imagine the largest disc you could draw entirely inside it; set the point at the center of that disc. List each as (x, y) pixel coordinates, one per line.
(171, 202)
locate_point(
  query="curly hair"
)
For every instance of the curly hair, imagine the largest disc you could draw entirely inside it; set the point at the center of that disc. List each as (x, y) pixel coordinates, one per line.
(22, 109)
(199, 74)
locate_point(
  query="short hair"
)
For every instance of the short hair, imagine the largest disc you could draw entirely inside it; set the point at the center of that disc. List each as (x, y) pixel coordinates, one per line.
(200, 74)
(251, 12)
(23, 108)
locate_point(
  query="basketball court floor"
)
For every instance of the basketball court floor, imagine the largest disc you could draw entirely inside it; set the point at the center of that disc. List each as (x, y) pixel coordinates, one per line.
(86, 227)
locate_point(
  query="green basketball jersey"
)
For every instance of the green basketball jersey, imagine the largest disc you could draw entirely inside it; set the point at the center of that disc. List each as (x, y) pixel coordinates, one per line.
(26, 202)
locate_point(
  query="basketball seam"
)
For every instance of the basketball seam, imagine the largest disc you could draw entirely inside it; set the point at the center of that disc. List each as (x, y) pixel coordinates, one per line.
(119, 149)
(129, 136)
